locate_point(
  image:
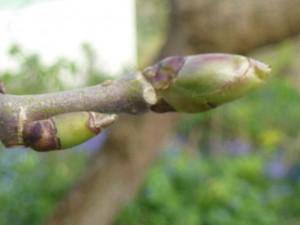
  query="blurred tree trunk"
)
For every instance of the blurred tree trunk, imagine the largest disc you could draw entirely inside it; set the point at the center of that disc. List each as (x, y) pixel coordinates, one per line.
(196, 26)
(116, 172)
(234, 26)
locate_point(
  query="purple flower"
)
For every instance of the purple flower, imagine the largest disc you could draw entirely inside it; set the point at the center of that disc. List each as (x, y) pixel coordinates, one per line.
(238, 147)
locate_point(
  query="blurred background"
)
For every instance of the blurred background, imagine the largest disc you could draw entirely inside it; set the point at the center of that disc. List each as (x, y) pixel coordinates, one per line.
(236, 165)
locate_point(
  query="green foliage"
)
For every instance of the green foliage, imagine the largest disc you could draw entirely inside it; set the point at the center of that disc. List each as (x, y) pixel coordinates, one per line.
(200, 190)
(32, 184)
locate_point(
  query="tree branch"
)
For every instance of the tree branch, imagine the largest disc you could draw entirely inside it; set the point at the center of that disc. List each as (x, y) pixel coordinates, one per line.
(183, 84)
(131, 94)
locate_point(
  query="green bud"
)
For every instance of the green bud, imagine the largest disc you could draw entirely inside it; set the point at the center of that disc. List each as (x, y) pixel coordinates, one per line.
(202, 82)
(64, 130)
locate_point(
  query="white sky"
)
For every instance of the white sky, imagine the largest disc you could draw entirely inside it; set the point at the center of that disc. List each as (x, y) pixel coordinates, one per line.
(58, 27)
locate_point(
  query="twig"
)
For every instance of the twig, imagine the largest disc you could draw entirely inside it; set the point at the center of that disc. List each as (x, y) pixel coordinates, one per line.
(182, 84)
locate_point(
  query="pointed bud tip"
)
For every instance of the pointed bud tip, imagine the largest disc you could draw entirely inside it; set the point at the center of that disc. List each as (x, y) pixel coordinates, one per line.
(101, 120)
(263, 71)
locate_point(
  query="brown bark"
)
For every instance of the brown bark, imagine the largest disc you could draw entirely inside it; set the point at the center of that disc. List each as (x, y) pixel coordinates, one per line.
(234, 26)
(197, 26)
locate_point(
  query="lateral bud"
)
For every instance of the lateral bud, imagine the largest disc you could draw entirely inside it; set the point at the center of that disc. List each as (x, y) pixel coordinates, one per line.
(64, 130)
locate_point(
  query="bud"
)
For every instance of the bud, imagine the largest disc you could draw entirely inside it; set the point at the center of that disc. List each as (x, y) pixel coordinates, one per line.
(202, 82)
(64, 130)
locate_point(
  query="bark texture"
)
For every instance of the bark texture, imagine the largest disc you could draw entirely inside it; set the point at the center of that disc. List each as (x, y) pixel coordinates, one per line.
(234, 26)
(196, 26)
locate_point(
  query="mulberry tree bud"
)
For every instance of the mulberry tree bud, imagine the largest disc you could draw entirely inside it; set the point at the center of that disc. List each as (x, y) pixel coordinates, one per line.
(202, 82)
(64, 130)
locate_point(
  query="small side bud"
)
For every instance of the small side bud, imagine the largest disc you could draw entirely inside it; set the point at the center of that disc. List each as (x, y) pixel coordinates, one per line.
(41, 135)
(202, 82)
(64, 130)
